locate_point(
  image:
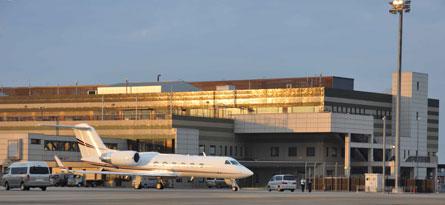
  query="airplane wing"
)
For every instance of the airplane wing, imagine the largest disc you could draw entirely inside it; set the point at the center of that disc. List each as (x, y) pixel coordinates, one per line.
(139, 173)
(154, 173)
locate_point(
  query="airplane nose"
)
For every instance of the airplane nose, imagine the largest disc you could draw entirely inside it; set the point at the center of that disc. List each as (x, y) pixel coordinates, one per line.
(247, 172)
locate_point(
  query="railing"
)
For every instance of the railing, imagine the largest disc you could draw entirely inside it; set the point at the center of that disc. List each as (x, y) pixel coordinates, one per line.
(157, 116)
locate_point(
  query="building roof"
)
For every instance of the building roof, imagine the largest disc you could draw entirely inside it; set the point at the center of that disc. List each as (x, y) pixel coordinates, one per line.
(270, 83)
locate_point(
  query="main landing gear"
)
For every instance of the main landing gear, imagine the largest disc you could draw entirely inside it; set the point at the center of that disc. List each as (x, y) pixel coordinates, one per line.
(137, 183)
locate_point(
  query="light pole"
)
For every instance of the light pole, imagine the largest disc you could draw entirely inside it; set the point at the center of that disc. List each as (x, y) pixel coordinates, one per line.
(399, 7)
(384, 153)
(417, 147)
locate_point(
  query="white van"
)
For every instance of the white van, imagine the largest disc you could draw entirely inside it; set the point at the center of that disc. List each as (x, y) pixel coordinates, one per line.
(282, 182)
(25, 175)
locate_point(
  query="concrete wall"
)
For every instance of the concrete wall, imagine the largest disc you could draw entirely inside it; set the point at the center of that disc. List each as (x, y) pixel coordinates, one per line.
(413, 130)
(37, 152)
(187, 141)
(304, 123)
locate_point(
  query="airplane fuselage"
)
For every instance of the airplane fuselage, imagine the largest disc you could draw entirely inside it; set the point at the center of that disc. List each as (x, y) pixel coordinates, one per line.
(184, 166)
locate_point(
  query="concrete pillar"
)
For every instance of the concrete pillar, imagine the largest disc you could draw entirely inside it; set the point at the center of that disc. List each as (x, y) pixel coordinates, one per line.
(347, 155)
(435, 181)
(370, 153)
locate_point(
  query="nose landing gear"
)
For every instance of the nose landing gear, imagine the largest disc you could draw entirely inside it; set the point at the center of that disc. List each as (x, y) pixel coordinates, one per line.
(235, 186)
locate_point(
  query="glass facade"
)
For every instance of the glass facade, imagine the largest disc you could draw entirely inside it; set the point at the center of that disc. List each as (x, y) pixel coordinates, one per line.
(154, 106)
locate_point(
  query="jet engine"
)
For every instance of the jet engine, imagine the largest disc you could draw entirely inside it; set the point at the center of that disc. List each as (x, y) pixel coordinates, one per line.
(121, 158)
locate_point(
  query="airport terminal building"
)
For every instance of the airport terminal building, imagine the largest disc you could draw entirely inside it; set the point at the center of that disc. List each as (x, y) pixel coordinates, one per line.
(311, 126)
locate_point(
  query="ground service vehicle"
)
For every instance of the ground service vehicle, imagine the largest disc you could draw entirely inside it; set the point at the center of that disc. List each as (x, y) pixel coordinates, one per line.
(26, 175)
(282, 182)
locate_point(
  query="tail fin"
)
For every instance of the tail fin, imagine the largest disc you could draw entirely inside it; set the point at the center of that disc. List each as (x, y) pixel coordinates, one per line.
(90, 144)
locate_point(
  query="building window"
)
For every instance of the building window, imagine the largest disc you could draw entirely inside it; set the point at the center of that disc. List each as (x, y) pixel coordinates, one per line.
(212, 150)
(202, 148)
(327, 151)
(220, 150)
(418, 85)
(241, 151)
(231, 151)
(35, 141)
(111, 145)
(292, 152)
(225, 150)
(334, 152)
(310, 151)
(274, 151)
(64, 146)
(236, 150)
(91, 92)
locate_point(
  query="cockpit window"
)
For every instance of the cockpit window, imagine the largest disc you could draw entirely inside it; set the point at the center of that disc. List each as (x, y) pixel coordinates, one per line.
(227, 162)
(234, 162)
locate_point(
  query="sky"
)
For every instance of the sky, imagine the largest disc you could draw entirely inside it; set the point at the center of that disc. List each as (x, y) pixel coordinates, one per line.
(62, 42)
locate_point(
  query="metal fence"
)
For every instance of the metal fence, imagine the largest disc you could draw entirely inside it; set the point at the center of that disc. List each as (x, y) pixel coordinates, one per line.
(357, 183)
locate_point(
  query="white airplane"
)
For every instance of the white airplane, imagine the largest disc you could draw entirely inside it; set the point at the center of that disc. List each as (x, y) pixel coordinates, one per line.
(151, 164)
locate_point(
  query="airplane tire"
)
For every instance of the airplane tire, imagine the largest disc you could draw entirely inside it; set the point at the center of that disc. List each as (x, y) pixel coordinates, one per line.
(235, 188)
(7, 186)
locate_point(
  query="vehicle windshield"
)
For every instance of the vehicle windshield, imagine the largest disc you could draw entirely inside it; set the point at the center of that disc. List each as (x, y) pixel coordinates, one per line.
(289, 178)
(38, 170)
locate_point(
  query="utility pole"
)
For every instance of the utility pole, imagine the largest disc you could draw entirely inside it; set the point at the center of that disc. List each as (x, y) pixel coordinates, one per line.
(126, 86)
(136, 108)
(102, 110)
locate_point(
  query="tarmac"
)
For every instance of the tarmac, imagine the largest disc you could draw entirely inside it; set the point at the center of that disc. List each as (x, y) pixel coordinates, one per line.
(127, 196)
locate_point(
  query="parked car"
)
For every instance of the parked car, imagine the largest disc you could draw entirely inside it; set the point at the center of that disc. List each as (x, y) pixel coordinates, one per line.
(282, 182)
(74, 180)
(26, 175)
(145, 182)
(217, 183)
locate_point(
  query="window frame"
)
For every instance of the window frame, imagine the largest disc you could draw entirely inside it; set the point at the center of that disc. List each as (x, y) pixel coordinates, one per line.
(292, 153)
(310, 152)
(275, 151)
